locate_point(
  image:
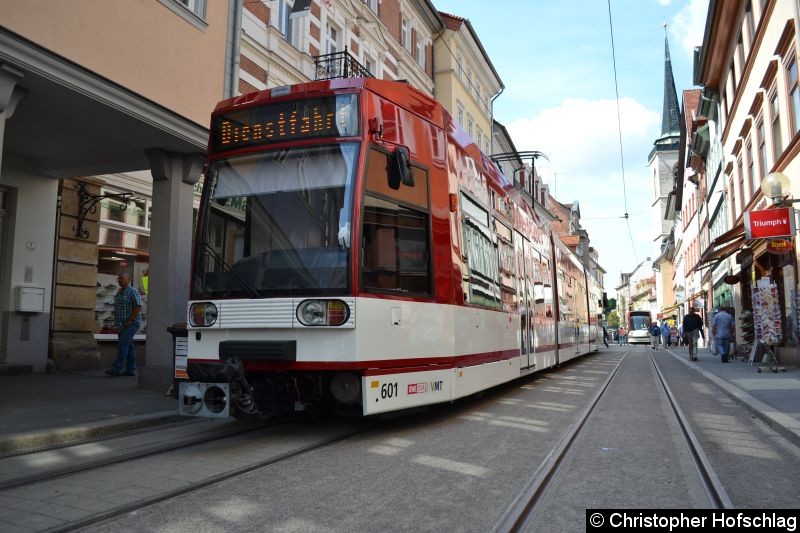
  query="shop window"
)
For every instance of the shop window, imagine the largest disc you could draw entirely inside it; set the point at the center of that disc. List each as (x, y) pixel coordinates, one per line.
(123, 246)
(113, 237)
(110, 264)
(396, 254)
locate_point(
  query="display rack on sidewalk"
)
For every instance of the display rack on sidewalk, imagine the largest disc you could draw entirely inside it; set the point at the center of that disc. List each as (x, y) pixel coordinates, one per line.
(768, 325)
(768, 359)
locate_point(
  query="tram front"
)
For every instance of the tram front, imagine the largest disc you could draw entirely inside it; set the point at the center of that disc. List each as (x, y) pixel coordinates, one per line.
(272, 258)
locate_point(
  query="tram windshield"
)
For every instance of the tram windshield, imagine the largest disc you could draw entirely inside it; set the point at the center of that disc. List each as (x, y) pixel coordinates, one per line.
(277, 223)
(639, 321)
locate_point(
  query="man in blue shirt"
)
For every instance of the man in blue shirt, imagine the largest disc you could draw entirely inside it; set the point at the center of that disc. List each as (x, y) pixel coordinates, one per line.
(127, 305)
(722, 327)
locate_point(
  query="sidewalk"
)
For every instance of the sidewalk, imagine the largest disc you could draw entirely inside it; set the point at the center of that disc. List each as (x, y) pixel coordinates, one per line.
(773, 397)
(51, 409)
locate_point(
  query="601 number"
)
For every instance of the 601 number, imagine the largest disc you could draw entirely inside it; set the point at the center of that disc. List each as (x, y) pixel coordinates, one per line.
(389, 390)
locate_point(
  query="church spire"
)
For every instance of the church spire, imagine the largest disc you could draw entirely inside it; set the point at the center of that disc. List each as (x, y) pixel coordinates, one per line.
(670, 115)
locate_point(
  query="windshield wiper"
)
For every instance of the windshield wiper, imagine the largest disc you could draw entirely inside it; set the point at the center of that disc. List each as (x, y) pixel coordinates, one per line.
(243, 284)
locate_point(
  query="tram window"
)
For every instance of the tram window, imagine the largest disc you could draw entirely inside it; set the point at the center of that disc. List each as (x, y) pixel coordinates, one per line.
(395, 232)
(377, 182)
(482, 256)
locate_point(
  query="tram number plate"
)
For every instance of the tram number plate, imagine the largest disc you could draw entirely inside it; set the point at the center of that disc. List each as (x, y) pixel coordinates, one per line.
(388, 390)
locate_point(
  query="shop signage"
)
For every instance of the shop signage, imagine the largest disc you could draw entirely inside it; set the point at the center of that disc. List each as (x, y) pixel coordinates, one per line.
(779, 246)
(769, 223)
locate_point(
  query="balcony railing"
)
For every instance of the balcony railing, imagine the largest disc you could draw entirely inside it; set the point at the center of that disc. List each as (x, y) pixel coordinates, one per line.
(339, 65)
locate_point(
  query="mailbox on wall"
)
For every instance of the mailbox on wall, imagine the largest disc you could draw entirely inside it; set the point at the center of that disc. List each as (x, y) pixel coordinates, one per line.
(30, 299)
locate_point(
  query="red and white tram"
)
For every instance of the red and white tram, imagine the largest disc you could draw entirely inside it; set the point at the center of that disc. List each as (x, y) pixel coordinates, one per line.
(356, 251)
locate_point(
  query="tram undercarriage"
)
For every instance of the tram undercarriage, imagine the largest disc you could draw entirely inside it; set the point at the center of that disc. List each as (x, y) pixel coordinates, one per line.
(225, 389)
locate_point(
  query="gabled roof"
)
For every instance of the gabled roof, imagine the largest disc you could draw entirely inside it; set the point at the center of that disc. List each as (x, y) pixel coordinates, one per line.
(453, 22)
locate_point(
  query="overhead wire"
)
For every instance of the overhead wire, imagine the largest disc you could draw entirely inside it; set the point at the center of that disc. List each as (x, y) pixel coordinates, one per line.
(626, 216)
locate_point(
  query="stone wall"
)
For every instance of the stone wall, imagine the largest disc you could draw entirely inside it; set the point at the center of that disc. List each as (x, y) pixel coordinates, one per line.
(72, 343)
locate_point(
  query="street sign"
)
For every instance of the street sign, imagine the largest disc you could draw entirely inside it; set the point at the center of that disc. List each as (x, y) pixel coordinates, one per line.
(769, 223)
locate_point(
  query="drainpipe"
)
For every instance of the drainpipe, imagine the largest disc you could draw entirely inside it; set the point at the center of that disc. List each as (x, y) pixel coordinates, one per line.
(491, 121)
(233, 48)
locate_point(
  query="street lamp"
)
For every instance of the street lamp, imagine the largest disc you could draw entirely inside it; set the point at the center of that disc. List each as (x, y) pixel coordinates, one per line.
(777, 186)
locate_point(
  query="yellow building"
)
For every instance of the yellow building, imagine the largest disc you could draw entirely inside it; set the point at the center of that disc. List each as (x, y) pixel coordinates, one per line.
(466, 82)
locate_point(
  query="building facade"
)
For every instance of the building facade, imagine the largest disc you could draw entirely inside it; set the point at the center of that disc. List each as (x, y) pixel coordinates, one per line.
(748, 68)
(283, 40)
(466, 80)
(71, 110)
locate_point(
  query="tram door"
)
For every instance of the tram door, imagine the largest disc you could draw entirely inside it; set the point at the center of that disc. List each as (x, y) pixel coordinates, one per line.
(522, 253)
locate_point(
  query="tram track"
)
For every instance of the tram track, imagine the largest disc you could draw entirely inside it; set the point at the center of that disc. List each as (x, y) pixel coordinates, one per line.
(131, 455)
(210, 481)
(524, 506)
(176, 421)
(708, 475)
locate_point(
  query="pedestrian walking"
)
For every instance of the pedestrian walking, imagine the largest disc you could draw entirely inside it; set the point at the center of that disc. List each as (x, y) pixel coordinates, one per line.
(623, 335)
(127, 305)
(655, 333)
(673, 336)
(692, 328)
(616, 335)
(722, 328)
(605, 336)
(664, 334)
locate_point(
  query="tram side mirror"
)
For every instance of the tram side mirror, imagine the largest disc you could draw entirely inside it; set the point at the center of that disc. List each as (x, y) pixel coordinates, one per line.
(400, 168)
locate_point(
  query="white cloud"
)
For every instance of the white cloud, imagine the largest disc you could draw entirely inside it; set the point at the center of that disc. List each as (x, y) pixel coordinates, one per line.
(689, 24)
(665, 2)
(581, 139)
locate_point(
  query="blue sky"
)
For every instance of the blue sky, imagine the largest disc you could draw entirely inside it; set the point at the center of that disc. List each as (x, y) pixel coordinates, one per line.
(555, 61)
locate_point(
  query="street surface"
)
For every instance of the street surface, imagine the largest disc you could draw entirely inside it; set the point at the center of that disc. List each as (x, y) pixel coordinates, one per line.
(451, 467)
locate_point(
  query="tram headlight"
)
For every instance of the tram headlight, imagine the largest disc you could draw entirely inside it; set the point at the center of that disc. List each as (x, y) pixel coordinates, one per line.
(203, 314)
(323, 312)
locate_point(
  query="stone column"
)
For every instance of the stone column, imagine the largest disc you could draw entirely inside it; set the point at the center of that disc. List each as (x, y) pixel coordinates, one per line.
(72, 344)
(174, 176)
(10, 96)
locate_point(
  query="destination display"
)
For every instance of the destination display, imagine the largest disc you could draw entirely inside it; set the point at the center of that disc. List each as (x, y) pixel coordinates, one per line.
(330, 116)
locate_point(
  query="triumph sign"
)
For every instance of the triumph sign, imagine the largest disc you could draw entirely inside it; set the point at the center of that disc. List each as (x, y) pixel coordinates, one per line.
(769, 223)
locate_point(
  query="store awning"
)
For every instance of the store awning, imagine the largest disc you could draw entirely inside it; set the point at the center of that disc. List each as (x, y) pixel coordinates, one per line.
(666, 311)
(716, 253)
(733, 233)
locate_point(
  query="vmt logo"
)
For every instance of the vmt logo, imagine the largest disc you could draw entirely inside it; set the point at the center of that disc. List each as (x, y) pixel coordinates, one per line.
(422, 388)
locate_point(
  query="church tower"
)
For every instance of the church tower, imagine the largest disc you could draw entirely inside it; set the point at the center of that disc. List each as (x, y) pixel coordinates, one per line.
(663, 157)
